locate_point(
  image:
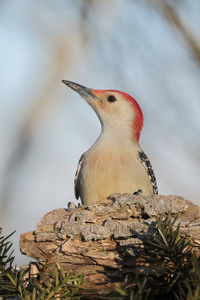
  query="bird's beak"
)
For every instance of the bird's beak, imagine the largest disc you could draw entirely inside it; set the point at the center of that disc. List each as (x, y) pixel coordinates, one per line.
(85, 92)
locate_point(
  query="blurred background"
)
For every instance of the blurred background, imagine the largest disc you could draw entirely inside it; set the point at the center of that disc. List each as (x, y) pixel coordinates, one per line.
(150, 49)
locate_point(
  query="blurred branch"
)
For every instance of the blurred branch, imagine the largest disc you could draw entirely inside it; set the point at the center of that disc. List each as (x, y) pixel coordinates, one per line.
(60, 61)
(174, 19)
(41, 102)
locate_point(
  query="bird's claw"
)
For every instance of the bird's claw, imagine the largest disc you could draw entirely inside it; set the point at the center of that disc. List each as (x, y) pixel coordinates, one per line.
(138, 192)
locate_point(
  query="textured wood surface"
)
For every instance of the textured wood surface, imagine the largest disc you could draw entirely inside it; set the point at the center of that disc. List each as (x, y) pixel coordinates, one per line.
(104, 240)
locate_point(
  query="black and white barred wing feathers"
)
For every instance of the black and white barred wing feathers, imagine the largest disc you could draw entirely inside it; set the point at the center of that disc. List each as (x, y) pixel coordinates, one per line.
(148, 167)
(76, 179)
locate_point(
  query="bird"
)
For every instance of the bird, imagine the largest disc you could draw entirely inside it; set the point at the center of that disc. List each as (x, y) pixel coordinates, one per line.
(115, 163)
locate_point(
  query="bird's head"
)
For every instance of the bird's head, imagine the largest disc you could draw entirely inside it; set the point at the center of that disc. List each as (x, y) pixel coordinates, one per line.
(115, 109)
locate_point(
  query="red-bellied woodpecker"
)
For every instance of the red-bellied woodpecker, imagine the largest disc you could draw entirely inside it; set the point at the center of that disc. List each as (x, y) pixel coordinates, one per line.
(115, 163)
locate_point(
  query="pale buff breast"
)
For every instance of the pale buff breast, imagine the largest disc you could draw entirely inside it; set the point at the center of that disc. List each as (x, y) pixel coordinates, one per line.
(114, 171)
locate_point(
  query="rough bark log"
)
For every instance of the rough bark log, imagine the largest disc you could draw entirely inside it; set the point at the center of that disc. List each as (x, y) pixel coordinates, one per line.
(104, 240)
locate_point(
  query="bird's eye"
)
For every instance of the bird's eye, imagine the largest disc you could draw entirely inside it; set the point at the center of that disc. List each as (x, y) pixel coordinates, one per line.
(111, 98)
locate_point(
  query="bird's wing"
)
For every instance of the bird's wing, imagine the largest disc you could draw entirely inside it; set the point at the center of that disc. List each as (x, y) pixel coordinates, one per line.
(148, 167)
(80, 164)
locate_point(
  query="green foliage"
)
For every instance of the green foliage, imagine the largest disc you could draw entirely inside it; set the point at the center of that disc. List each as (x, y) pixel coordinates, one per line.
(6, 261)
(6, 253)
(56, 285)
(189, 288)
(137, 290)
(175, 268)
(47, 284)
(171, 252)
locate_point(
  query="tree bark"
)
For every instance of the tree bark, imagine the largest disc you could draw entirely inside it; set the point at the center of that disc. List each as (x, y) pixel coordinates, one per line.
(104, 240)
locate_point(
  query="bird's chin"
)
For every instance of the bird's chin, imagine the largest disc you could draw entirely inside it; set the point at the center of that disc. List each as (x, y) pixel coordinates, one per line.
(91, 101)
(94, 105)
